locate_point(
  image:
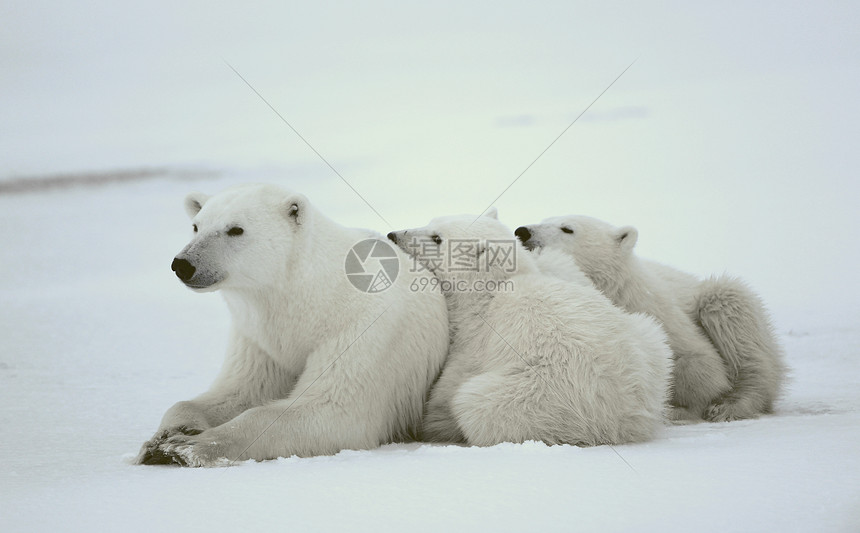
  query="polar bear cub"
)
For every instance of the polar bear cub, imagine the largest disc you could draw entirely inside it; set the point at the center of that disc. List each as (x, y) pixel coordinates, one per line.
(314, 364)
(728, 363)
(532, 356)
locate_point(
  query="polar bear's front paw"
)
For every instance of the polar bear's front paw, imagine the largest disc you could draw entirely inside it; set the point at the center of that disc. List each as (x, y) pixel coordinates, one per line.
(197, 450)
(151, 454)
(724, 411)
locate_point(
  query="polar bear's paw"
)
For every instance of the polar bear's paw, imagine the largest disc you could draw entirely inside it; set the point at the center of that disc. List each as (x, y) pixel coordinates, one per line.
(196, 451)
(151, 454)
(726, 411)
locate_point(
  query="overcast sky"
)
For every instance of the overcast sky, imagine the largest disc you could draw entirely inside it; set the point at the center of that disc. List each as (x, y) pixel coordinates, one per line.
(731, 143)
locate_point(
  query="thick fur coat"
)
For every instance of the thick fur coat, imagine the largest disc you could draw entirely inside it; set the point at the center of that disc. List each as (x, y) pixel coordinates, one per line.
(314, 365)
(540, 359)
(728, 363)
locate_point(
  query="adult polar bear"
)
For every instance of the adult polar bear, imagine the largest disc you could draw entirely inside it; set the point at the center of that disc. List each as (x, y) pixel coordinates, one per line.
(545, 359)
(314, 365)
(728, 364)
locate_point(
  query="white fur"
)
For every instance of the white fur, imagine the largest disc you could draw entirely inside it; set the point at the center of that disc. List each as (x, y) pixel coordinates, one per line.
(545, 360)
(728, 364)
(314, 365)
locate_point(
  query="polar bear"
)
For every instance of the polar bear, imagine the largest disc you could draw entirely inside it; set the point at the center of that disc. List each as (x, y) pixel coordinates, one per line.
(532, 356)
(728, 363)
(314, 364)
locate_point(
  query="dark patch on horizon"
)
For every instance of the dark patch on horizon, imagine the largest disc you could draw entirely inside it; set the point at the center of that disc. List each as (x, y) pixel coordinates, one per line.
(45, 182)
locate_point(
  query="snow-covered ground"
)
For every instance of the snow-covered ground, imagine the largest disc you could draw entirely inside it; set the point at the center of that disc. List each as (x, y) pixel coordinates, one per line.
(97, 340)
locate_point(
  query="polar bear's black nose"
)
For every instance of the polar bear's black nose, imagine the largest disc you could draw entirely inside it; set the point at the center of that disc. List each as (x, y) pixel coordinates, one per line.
(184, 270)
(392, 237)
(523, 233)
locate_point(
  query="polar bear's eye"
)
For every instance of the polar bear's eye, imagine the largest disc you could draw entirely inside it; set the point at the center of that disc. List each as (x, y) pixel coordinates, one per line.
(195, 227)
(235, 231)
(566, 229)
(437, 239)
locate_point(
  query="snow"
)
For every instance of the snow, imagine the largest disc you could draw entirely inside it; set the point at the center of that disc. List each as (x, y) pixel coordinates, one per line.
(98, 339)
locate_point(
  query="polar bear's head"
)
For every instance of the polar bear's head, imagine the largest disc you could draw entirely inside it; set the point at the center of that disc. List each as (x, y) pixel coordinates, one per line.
(595, 245)
(245, 236)
(462, 246)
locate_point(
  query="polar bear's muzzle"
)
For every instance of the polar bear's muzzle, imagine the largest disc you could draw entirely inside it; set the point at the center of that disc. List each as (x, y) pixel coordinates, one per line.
(183, 268)
(190, 275)
(527, 238)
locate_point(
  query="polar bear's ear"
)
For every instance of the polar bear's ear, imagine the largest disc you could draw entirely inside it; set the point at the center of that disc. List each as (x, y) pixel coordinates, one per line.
(296, 208)
(492, 213)
(627, 237)
(194, 203)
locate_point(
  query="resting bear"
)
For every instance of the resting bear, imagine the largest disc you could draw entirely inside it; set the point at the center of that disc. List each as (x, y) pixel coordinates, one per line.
(314, 364)
(728, 363)
(534, 357)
